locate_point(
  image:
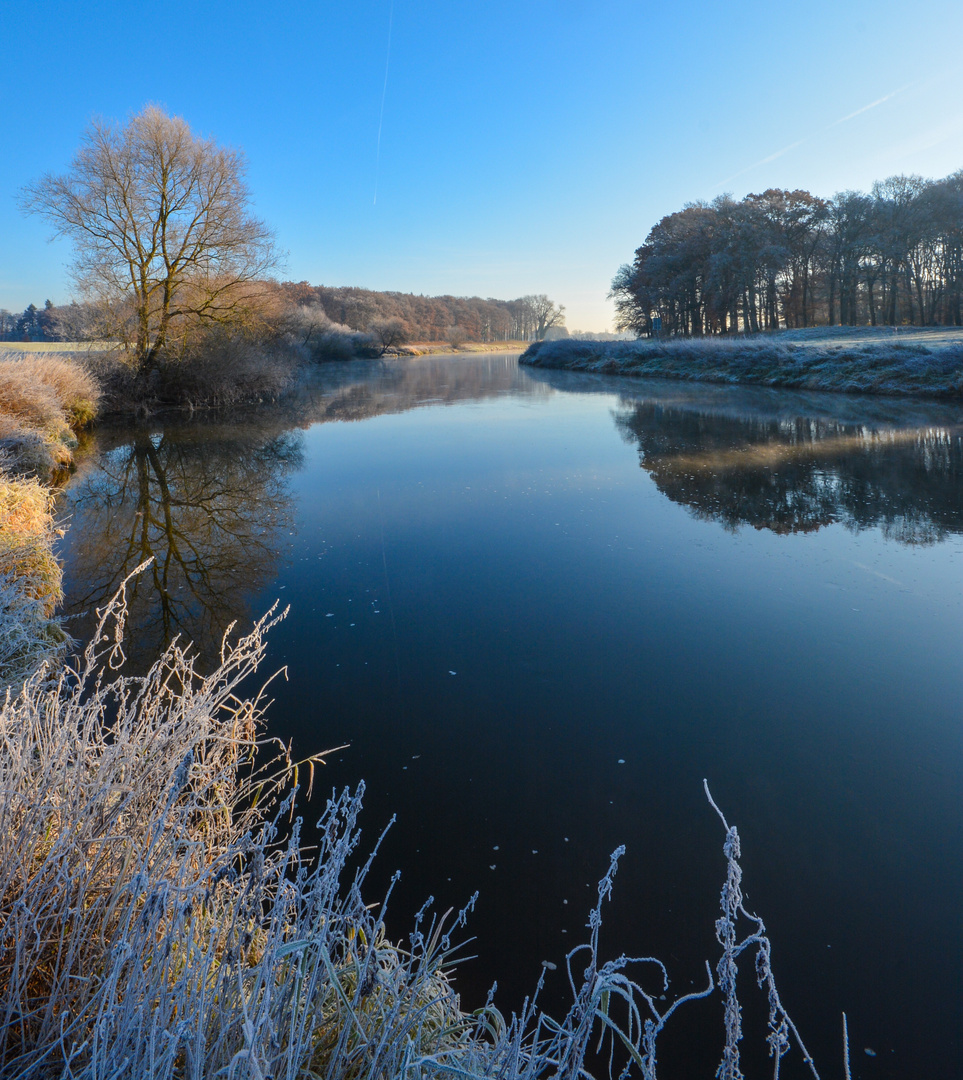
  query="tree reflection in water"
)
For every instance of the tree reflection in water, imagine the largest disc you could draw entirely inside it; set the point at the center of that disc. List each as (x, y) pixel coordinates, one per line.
(207, 499)
(208, 502)
(799, 474)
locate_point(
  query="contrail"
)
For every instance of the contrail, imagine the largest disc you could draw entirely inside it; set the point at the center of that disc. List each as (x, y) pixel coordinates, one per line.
(384, 91)
(764, 161)
(815, 134)
(871, 105)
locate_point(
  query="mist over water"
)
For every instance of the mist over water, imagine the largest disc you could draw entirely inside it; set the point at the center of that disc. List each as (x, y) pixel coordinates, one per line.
(542, 607)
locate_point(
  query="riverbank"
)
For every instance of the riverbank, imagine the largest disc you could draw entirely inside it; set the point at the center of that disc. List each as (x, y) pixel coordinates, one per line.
(430, 348)
(867, 360)
(45, 401)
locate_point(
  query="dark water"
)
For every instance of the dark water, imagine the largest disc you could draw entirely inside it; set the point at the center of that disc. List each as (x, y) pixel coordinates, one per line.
(541, 608)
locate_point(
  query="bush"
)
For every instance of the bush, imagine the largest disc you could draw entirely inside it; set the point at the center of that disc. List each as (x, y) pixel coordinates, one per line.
(227, 370)
(341, 343)
(316, 338)
(220, 370)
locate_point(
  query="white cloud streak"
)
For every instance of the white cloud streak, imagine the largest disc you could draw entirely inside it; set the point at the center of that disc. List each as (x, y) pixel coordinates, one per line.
(763, 161)
(816, 134)
(866, 108)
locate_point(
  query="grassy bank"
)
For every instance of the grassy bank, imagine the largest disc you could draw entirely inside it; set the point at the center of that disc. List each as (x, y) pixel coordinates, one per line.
(30, 579)
(925, 363)
(429, 348)
(44, 401)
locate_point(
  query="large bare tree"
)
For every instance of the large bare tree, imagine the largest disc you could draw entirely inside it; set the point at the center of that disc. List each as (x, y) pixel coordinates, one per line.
(161, 227)
(544, 313)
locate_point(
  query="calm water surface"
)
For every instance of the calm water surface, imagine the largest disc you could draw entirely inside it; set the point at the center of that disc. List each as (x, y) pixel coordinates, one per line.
(541, 607)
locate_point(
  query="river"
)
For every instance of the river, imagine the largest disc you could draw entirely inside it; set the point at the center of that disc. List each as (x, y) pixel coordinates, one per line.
(541, 607)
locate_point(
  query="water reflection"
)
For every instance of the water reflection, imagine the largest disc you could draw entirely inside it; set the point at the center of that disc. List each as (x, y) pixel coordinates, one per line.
(799, 474)
(207, 499)
(361, 390)
(792, 461)
(207, 503)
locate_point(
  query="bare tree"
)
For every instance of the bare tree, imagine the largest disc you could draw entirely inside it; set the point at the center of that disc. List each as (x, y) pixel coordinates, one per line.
(389, 333)
(544, 313)
(161, 229)
(456, 336)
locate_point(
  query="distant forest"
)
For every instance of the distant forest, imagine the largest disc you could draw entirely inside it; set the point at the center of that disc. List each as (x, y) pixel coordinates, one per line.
(430, 318)
(791, 259)
(417, 318)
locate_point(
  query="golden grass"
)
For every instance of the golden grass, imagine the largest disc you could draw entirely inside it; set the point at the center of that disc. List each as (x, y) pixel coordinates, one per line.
(27, 399)
(30, 579)
(153, 924)
(56, 346)
(44, 399)
(27, 534)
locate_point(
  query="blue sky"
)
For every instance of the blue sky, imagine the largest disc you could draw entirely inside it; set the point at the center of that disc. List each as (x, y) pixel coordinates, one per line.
(525, 146)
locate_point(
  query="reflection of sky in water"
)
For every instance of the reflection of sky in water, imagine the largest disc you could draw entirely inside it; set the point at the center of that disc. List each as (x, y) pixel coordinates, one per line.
(813, 677)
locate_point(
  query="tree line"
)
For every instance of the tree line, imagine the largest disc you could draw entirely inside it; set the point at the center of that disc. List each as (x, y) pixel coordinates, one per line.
(393, 315)
(431, 318)
(52, 322)
(792, 259)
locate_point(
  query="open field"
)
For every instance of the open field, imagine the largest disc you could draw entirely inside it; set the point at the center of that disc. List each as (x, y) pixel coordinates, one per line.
(845, 336)
(426, 348)
(911, 361)
(15, 347)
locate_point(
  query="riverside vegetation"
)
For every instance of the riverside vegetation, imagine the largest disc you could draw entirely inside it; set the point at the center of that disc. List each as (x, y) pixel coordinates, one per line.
(910, 362)
(45, 401)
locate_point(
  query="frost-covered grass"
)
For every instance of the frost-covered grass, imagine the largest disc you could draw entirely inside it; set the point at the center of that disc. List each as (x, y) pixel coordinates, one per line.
(160, 919)
(30, 579)
(923, 363)
(44, 399)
